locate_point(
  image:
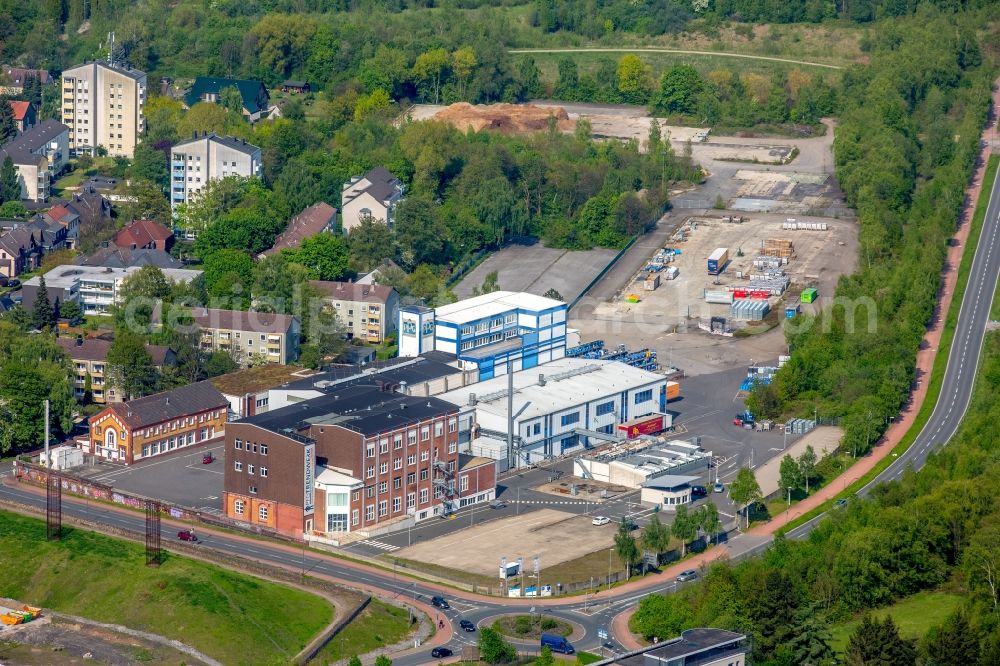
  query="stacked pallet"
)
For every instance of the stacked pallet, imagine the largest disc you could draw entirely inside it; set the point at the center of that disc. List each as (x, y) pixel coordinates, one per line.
(776, 247)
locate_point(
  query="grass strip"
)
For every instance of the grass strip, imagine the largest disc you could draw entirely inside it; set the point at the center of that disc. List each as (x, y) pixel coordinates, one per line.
(233, 617)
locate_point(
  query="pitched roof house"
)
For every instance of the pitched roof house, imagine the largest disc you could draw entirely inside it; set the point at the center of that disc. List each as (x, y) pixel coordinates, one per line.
(112, 256)
(374, 195)
(25, 116)
(39, 154)
(89, 357)
(144, 235)
(157, 424)
(208, 89)
(315, 219)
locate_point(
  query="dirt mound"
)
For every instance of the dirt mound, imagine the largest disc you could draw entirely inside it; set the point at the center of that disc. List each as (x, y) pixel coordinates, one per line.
(508, 118)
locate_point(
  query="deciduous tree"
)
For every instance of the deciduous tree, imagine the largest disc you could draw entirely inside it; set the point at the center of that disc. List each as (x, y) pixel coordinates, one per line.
(745, 491)
(130, 367)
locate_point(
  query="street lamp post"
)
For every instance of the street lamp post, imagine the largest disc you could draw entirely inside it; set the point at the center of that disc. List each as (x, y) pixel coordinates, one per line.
(610, 553)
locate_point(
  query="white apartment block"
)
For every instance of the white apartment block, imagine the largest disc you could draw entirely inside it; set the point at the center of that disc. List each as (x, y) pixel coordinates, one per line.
(206, 157)
(103, 105)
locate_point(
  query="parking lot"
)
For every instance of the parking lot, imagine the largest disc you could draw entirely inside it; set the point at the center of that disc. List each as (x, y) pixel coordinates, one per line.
(178, 477)
(536, 269)
(554, 536)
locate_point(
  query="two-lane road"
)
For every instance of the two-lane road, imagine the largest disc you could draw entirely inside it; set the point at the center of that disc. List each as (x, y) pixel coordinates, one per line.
(963, 357)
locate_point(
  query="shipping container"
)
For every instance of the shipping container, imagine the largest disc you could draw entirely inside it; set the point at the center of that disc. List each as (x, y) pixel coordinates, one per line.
(791, 311)
(809, 295)
(717, 260)
(651, 282)
(673, 390)
(722, 297)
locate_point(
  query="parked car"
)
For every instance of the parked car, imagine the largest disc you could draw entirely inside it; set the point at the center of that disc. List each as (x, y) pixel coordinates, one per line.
(13, 283)
(557, 644)
(440, 602)
(690, 574)
(698, 491)
(719, 487)
(841, 502)
(187, 535)
(600, 520)
(468, 625)
(499, 504)
(440, 652)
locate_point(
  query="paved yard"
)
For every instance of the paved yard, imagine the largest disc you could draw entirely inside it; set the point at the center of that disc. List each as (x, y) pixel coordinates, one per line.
(536, 269)
(178, 477)
(555, 536)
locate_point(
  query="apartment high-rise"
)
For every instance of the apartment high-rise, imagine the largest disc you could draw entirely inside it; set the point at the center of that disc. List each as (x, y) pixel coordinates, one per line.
(103, 105)
(206, 157)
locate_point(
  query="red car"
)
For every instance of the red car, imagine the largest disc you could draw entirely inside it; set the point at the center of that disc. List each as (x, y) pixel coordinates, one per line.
(187, 535)
(207, 459)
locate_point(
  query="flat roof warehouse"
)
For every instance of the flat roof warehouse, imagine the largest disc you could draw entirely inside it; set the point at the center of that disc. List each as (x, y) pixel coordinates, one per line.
(559, 384)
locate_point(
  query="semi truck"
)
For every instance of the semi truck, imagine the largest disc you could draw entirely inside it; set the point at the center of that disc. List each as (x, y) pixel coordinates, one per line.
(717, 260)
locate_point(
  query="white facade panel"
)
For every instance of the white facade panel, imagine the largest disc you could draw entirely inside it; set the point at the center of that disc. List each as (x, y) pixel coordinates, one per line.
(529, 320)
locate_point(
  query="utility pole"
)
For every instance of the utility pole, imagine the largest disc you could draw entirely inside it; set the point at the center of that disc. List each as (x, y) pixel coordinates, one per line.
(48, 460)
(510, 414)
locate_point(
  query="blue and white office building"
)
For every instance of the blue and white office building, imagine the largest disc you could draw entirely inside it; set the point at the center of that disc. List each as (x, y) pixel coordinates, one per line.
(489, 333)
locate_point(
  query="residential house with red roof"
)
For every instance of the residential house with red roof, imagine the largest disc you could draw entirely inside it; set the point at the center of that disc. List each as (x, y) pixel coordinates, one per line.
(156, 424)
(316, 219)
(145, 235)
(25, 115)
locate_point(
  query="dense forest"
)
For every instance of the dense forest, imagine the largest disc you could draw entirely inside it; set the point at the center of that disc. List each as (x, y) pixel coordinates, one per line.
(935, 529)
(908, 138)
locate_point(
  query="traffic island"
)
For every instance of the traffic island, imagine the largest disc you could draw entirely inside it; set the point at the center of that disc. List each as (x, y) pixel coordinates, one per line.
(529, 627)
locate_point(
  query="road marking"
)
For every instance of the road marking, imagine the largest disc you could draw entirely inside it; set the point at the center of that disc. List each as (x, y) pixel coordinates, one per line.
(379, 544)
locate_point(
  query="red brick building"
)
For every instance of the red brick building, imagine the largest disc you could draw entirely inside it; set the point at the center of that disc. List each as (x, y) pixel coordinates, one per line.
(155, 424)
(359, 461)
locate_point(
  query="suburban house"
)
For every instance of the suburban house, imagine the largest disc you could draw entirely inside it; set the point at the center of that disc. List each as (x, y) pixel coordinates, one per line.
(316, 219)
(207, 157)
(358, 461)
(368, 311)
(247, 389)
(63, 215)
(90, 356)
(375, 275)
(20, 251)
(91, 207)
(39, 154)
(272, 337)
(374, 195)
(25, 116)
(145, 427)
(112, 256)
(95, 288)
(103, 105)
(209, 89)
(144, 235)
(295, 87)
(16, 77)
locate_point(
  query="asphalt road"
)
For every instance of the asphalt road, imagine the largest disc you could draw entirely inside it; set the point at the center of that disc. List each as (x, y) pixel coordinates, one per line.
(963, 358)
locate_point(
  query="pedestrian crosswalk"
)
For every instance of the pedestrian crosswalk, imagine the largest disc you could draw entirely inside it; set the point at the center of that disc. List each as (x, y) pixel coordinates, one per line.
(381, 545)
